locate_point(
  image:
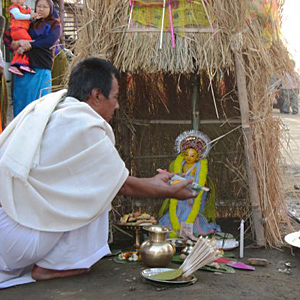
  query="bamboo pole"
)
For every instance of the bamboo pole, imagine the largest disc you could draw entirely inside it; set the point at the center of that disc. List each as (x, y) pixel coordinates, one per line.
(248, 141)
(176, 30)
(146, 122)
(195, 102)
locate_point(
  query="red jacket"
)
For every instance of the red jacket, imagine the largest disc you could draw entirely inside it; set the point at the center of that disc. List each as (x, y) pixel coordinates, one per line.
(19, 23)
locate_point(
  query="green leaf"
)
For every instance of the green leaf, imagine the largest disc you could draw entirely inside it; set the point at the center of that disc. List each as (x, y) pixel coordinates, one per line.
(168, 275)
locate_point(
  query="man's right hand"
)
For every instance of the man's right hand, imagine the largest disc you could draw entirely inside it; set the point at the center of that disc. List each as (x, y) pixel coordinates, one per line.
(157, 187)
(181, 190)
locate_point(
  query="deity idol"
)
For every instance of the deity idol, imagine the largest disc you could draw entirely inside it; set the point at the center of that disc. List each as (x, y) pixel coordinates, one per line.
(192, 148)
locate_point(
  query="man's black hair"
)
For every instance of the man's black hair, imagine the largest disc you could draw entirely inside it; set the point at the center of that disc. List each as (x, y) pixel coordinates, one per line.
(91, 73)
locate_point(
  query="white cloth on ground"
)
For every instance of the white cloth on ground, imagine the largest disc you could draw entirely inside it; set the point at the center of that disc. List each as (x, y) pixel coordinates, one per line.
(59, 169)
(21, 247)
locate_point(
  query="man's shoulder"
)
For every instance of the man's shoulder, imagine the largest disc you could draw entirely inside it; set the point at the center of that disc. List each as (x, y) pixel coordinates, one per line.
(74, 108)
(72, 102)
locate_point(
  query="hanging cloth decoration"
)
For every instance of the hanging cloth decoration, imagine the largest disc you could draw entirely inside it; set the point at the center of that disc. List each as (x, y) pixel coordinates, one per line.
(183, 13)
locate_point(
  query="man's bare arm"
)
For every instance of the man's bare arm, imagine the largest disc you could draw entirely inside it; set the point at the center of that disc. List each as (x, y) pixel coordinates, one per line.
(156, 187)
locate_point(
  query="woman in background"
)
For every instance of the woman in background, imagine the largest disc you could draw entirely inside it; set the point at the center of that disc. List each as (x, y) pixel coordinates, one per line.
(45, 33)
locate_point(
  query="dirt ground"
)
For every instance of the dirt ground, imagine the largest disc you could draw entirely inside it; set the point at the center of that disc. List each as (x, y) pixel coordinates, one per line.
(109, 280)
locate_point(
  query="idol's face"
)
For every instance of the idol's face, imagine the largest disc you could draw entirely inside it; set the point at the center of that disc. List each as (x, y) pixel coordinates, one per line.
(190, 155)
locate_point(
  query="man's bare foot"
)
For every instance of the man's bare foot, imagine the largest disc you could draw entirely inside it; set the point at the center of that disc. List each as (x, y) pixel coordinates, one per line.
(39, 273)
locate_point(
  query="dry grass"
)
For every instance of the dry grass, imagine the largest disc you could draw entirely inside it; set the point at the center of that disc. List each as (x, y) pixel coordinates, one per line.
(104, 34)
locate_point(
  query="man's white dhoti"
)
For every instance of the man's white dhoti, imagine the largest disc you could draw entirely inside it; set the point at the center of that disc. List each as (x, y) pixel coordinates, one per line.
(21, 247)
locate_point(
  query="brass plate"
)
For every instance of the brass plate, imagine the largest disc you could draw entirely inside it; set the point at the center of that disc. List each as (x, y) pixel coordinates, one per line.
(152, 271)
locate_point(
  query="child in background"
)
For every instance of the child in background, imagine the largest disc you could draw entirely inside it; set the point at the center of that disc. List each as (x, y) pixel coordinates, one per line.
(20, 22)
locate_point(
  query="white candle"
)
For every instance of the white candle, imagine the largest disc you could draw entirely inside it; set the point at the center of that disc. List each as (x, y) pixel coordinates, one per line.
(242, 239)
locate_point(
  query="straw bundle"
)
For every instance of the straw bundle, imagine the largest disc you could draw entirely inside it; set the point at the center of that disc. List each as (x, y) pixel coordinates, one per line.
(233, 29)
(203, 253)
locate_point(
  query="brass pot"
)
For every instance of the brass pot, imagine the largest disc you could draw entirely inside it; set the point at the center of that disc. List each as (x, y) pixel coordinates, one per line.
(187, 250)
(156, 252)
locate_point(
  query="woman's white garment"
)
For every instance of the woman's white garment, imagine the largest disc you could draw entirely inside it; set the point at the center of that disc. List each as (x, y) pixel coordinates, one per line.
(59, 169)
(21, 247)
(59, 172)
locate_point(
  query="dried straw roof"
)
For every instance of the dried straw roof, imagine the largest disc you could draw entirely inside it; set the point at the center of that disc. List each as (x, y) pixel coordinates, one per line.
(105, 33)
(233, 29)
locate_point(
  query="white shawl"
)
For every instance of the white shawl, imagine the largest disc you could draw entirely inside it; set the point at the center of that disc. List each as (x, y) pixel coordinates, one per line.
(59, 168)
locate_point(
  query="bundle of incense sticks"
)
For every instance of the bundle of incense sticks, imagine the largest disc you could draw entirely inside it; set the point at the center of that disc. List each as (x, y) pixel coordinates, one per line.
(203, 253)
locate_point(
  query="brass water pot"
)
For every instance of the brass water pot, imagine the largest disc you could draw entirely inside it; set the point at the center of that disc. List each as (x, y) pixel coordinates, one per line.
(156, 252)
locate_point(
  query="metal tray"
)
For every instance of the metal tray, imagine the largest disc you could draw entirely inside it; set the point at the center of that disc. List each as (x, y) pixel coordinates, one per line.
(148, 272)
(226, 244)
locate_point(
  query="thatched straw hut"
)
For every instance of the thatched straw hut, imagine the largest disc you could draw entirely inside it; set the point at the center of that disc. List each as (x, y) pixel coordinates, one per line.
(209, 66)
